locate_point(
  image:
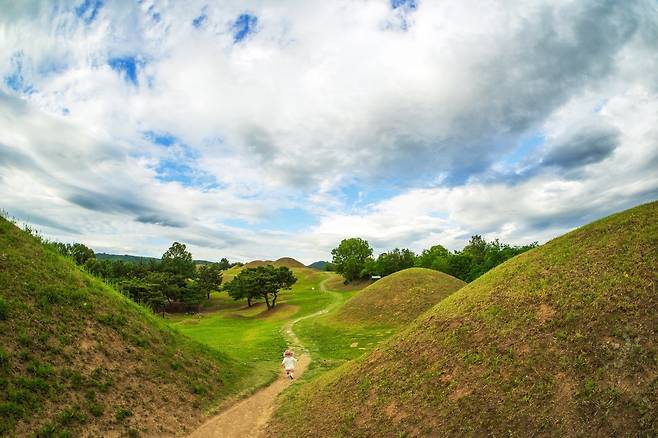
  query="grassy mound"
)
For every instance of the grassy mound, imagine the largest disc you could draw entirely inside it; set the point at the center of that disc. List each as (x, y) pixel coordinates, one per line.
(399, 298)
(561, 340)
(77, 357)
(289, 262)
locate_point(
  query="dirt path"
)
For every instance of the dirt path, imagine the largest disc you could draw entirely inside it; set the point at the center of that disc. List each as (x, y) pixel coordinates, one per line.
(249, 417)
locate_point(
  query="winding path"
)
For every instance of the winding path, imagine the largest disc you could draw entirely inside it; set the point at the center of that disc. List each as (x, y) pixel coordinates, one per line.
(249, 417)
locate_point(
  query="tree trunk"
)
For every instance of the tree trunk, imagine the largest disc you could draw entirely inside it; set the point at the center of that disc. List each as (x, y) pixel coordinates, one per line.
(267, 301)
(273, 300)
(208, 295)
(248, 301)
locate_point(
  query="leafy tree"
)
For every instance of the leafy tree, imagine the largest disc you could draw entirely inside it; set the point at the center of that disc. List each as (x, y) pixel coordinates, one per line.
(428, 258)
(350, 257)
(77, 251)
(224, 264)
(209, 278)
(242, 286)
(261, 282)
(177, 260)
(81, 253)
(394, 261)
(193, 294)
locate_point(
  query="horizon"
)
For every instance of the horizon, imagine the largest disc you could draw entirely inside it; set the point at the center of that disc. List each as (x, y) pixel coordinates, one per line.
(268, 129)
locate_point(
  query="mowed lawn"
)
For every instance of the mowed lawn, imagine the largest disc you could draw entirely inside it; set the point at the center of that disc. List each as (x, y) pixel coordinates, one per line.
(254, 335)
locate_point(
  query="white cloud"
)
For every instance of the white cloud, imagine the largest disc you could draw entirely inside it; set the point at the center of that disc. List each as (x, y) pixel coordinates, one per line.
(327, 95)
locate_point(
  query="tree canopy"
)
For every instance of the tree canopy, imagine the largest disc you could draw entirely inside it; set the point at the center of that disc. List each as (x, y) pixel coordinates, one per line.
(261, 282)
(351, 257)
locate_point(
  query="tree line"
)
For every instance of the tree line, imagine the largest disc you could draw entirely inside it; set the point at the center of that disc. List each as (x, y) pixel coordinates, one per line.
(353, 258)
(177, 279)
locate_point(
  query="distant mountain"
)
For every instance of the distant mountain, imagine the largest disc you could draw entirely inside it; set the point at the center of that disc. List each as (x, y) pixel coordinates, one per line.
(320, 265)
(137, 259)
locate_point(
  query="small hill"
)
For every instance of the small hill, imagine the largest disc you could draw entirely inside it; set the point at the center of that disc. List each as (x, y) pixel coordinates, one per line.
(284, 261)
(77, 358)
(289, 262)
(559, 341)
(257, 263)
(399, 298)
(319, 265)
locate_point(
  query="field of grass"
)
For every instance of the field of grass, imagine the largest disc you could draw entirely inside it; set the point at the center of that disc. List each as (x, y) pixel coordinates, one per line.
(559, 341)
(253, 336)
(76, 355)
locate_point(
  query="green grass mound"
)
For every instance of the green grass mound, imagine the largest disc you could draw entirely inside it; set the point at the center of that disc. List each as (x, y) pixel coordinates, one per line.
(398, 298)
(288, 262)
(78, 358)
(559, 341)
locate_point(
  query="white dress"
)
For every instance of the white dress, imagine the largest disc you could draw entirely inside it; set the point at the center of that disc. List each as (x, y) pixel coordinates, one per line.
(289, 362)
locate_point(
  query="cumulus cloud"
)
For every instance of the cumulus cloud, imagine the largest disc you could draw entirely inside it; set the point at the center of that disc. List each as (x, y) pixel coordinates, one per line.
(133, 124)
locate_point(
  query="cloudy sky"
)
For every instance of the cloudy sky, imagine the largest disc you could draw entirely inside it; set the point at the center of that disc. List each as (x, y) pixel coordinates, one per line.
(261, 129)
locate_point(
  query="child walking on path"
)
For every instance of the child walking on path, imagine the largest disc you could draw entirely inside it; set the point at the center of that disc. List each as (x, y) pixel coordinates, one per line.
(289, 363)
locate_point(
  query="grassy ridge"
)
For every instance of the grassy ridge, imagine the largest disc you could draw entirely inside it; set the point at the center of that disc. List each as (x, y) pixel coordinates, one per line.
(365, 318)
(75, 355)
(398, 298)
(559, 341)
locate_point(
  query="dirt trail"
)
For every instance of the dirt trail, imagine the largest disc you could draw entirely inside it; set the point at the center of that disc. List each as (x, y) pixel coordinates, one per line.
(249, 417)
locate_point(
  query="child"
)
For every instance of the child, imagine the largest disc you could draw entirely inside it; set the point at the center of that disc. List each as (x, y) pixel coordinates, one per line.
(289, 363)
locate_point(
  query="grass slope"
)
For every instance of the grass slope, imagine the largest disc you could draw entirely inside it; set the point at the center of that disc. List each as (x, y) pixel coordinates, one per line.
(399, 298)
(559, 341)
(77, 358)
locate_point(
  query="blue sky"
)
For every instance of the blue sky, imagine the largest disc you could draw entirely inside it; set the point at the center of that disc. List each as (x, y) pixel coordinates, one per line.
(262, 129)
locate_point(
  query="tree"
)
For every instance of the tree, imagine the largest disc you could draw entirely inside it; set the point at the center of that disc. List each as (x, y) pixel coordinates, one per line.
(177, 260)
(394, 261)
(209, 278)
(224, 264)
(350, 257)
(81, 253)
(261, 282)
(428, 258)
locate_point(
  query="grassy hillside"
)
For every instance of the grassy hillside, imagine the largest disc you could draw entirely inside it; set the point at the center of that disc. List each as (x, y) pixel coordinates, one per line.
(399, 298)
(561, 340)
(288, 262)
(77, 358)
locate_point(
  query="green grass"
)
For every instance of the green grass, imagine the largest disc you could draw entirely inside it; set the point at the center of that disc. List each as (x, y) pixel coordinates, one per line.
(332, 343)
(559, 341)
(253, 336)
(399, 298)
(65, 335)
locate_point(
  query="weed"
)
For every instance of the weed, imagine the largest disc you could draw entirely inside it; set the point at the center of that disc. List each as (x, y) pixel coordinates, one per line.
(4, 309)
(71, 415)
(122, 413)
(4, 359)
(95, 409)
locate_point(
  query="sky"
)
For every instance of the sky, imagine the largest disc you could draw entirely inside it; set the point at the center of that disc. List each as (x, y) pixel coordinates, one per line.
(256, 129)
